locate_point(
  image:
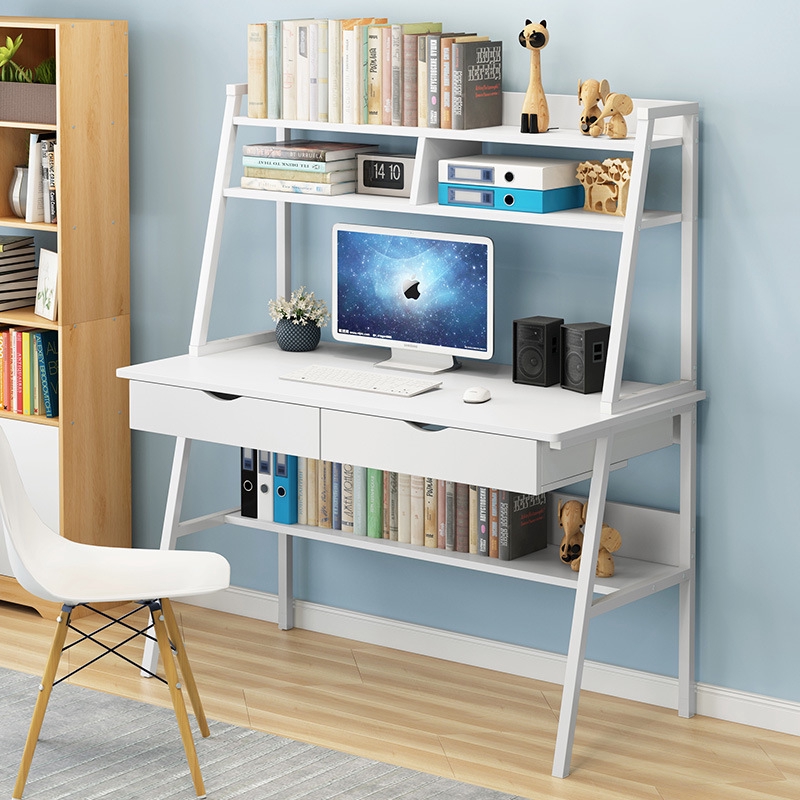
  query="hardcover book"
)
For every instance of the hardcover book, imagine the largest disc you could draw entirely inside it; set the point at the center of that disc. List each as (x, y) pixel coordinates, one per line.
(477, 84)
(257, 70)
(46, 343)
(431, 517)
(308, 150)
(522, 524)
(8, 243)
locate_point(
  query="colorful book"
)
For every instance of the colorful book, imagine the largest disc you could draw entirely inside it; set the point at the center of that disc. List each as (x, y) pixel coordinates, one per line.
(324, 494)
(348, 498)
(394, 507)
(441, 514)
(462, 517)
(360, 501)
(522, 527)
(473, 519)
(494, 524)
(450, 529)
(483, 521)
(336, 495)
(431, 524)
(274, 74)
(418, 510)
(47, 346)
(446, 75)
(374, 503)
(302, 490)
(312, 514)
(398, 64)
(477, 84)
(299, 187)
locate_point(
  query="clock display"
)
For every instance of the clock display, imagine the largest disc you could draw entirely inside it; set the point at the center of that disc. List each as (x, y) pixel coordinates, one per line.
(389, 174)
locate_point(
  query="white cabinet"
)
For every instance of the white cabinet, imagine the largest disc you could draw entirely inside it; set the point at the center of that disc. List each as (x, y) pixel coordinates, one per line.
(529, 438)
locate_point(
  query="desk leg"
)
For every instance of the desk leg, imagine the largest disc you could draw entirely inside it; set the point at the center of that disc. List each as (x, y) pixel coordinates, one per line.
(169, 531)
(687, 691)
(582, 611)
(285, 582)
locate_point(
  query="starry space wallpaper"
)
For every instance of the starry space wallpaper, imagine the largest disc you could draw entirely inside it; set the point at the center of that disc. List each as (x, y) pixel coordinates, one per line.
(416, 288)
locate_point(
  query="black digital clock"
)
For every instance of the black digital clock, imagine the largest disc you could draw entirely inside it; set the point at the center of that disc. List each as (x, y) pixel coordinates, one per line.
(389, 174)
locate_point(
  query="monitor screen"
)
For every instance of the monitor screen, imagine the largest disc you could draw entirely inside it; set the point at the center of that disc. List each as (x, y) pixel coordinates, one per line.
(427, 296)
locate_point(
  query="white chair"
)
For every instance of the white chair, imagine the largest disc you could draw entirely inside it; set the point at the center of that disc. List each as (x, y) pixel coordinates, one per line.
(57, 569)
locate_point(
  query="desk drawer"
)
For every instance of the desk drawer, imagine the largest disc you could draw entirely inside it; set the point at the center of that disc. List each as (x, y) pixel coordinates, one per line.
(238, 421)
(454, 454)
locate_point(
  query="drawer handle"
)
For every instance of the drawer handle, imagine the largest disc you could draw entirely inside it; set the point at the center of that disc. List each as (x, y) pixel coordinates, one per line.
(423, 426)
(222, 395)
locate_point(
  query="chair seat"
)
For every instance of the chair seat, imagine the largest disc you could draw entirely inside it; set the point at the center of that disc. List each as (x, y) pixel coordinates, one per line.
(75, 573)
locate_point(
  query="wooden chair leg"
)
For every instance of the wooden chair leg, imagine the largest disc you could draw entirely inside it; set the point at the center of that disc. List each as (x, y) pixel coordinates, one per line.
(183, 662)
(45, 690)
(171, 671)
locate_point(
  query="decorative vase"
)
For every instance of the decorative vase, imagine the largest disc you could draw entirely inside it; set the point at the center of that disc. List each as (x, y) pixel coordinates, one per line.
(18, 191)
(296, 338)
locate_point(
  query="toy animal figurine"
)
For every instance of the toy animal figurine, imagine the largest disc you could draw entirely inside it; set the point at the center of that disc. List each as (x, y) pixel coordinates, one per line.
(605, 185)
(572, 517)
(535, 114)
(615, 107)
(590, 95)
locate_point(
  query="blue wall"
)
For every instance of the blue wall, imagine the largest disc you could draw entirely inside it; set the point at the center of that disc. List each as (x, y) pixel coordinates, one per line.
(736, 61)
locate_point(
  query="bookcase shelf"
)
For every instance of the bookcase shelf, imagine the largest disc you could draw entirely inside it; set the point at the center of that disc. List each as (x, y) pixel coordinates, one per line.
(77, 466)
(531, 439)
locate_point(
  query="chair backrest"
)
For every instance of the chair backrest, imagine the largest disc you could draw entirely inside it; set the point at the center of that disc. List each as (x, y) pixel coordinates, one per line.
(28, 540)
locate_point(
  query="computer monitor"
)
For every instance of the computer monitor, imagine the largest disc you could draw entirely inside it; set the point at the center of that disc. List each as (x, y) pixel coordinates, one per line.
(427, 296)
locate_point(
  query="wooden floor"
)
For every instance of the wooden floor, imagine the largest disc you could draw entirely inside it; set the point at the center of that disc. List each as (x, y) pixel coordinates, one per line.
(470, 724)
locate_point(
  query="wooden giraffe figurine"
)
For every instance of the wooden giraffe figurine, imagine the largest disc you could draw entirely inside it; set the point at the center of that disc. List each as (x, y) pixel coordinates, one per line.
(535, 115)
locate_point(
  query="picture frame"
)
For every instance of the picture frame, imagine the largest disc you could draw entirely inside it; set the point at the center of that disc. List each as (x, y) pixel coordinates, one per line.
(46, 285)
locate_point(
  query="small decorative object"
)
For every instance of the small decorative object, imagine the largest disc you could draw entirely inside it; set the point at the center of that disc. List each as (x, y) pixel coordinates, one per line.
(615, 107)
(572, 518)
(299, 320)
(385, 174)
(590, 95)
(606, 185)
(18, 191)
(535, 114)
(27, 94)
(46, 294)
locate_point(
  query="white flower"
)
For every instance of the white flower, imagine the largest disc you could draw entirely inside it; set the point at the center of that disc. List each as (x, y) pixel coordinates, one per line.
(301, 308)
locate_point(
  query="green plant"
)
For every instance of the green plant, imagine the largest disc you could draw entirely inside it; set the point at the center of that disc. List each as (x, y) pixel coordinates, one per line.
(11, 72)
(301, 308)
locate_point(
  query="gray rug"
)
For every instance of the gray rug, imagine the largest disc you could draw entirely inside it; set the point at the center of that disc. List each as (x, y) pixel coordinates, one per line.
(94, 745)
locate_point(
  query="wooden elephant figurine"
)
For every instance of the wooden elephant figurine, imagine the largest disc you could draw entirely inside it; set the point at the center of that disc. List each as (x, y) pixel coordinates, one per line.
(590, 94)
(616, 107)
(572, 517)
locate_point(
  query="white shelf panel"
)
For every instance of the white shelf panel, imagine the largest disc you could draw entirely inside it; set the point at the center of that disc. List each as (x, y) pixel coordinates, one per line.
(572, 218)
(543, 566)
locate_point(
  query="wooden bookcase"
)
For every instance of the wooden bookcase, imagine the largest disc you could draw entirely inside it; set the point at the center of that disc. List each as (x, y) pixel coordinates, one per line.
(77, 467)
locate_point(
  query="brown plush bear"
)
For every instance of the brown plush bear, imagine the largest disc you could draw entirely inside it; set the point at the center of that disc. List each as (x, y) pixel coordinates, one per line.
(572, 517)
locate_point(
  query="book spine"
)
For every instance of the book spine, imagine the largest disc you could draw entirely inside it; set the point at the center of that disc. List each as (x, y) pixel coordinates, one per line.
(324, 489)
(410, 56)
(386, 503)
(431, 519)
(302, 490)
(404, 507)
(422, 81)
(349, 62)
(289, 69)
(483, 521)
(2, 369)
(503, 548)
(257, 70)
(418, 510)
(457, 86)
(27, 373)
(298, 187)
(473, 519)
(397, 74)
(360, 501)
(445, 107)
(41, 361)
(433, 90)
(323, 67)
(297, 164)
(313, 71)
(386, 76)
(494, 521)
(301, 72)
(51, 180)
(374, 62)
(46, 214)
(362, 33)
(34, 197)
(274, 72)
(339, 176)
(16, 353)
(394, 507)
(334, 70)
(348, 487)
(450, 530)
(462, 518)
(374, 503)
(336, 495)
(312, 495)
(441, 514)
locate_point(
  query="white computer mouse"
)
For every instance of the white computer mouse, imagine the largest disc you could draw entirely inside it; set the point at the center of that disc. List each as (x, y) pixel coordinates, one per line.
(477, 394)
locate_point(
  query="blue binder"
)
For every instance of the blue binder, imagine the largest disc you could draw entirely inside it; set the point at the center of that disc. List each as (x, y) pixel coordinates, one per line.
(284, 476)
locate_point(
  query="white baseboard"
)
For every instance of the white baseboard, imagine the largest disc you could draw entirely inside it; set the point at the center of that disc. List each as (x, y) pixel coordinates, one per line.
(712, 701)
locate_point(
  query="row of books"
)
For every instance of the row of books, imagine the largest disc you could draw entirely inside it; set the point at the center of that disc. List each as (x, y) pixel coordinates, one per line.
(370, 71)
(412, 509)
(29, 371)
(40, 200)
(303, 166)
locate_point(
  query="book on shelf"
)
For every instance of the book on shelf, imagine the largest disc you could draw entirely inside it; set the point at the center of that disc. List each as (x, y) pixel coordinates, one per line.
(429, 77)
(49, 167)
(404, 507)
(348, 497)
(360, 500)
(399, 72)
(308, 150)
(257, 70)
(446, 78)
(522, 524)
(339, 176)
(476, 84)
(17, 272)
(473, 519)
(299, 187)
(274, 74)
(302, 71)
(386, 504)
(374, 73)
(324, 490)
(483, 521)
(9, 243)
(302, 491)
(320, 63)
(450, 522)
(336, 495)
(46, 304)
(14, 258)
(386, 75)
(298, 165)
(462, 517)
(431, 528)
(394, 506)
(494, 524)
(289, 68)
(374, 503)
(334, 70)
(441, 514)
(35, 195)
(418, 510)
(312, 501)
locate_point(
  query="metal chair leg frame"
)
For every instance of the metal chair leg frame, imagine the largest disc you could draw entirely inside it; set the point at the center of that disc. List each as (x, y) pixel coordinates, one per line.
(160, 627)
(45, 688)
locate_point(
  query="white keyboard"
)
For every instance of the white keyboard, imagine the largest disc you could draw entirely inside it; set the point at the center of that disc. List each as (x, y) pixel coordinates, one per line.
(362, 381)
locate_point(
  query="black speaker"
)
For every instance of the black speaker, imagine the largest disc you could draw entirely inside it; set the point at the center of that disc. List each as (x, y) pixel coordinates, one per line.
(583, 347)
(537, 350)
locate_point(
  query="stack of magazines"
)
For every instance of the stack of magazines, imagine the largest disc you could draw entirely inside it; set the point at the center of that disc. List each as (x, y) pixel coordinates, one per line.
(18, 272)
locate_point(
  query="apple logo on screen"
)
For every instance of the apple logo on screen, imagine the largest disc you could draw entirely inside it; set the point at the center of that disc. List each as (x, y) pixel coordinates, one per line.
(411, 289)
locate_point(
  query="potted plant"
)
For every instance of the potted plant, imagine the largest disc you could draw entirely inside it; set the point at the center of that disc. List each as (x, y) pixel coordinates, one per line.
(299, 320)
(27, 94)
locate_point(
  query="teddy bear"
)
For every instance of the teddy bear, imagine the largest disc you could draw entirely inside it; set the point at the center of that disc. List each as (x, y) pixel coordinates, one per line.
(571, 517)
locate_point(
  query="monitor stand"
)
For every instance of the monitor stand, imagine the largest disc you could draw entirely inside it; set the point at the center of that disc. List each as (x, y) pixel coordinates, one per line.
(417, 361)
